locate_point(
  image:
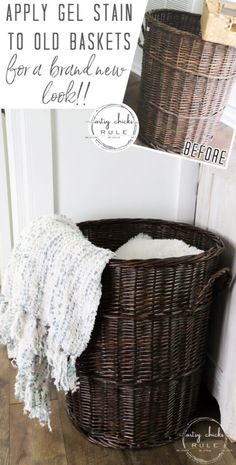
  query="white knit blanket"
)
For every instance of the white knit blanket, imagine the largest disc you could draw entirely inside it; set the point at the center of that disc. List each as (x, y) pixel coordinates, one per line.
(51, 292)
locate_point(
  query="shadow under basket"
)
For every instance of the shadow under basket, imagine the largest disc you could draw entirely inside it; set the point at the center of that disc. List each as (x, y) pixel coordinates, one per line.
(141, 372)
(185, 81)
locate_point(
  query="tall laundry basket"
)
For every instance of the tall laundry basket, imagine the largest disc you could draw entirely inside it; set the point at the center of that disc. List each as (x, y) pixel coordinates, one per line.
(140, 374)
(185, 81)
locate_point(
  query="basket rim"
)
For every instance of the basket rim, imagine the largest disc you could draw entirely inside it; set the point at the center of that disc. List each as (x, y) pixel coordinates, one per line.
(213, 252)
(161, 25)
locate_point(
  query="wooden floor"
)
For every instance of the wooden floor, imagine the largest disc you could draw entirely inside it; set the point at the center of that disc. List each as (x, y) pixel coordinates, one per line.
(24, 442)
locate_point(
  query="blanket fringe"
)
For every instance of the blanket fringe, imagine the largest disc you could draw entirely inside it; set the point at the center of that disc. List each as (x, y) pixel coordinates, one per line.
(51, 292)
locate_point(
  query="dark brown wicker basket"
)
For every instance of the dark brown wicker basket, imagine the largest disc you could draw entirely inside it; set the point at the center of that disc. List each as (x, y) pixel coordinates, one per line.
(140, 374)
(185, 81)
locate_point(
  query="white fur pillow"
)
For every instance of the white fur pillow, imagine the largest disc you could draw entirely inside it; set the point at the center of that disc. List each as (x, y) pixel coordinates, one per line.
(143, 246)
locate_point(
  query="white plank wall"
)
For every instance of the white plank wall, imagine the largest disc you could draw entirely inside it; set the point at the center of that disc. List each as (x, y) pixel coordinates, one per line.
(30, 165)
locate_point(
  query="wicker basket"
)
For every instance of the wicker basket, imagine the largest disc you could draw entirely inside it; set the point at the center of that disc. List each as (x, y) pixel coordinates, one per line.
(185, 81)
(140, 374)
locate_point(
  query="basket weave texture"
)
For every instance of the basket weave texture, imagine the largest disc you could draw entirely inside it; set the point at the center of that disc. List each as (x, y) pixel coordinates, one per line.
(140, 374)
(185, 81)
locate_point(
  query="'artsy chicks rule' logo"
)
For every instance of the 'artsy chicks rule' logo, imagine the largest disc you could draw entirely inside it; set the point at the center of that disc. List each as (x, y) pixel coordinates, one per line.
(204, 441)
(114, 127)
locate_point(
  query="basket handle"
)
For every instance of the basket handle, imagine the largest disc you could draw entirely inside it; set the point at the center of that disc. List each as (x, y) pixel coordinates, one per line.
(207, 289)
(231, 23)
(139, 40)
